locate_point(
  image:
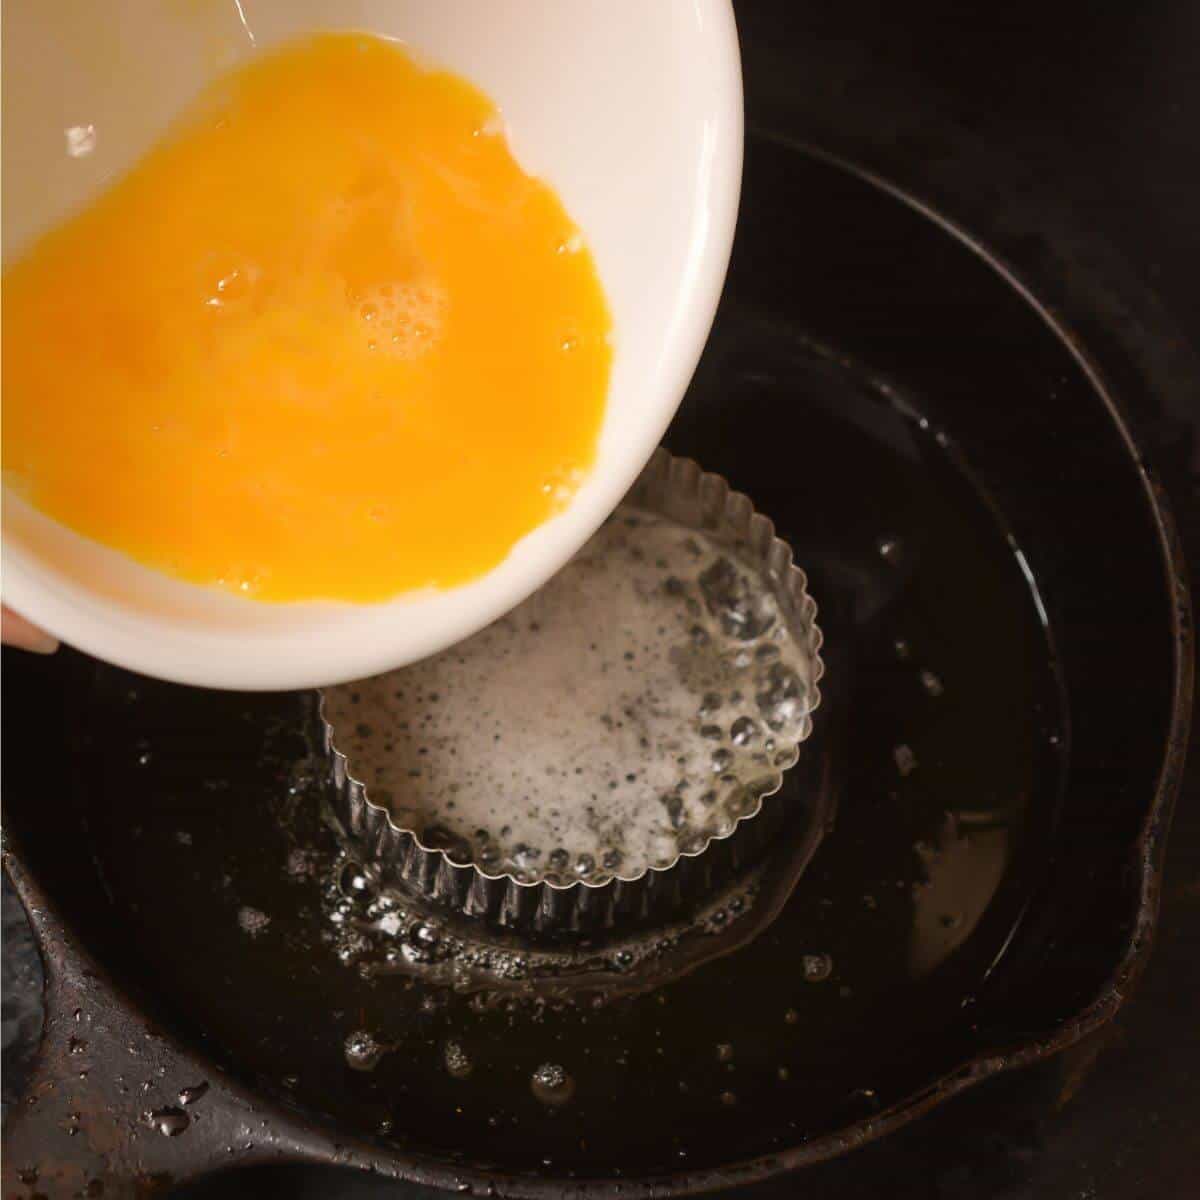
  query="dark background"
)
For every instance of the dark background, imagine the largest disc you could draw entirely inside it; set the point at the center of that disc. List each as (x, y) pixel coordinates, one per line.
(1067, 135)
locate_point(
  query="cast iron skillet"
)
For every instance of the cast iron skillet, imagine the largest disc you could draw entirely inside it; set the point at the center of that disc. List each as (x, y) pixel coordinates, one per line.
(846, 299)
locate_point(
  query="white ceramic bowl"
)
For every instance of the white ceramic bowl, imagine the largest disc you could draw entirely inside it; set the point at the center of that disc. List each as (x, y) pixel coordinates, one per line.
(631, 109)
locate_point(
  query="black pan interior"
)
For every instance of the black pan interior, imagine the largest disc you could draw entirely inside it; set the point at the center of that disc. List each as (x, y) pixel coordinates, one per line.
(972, 513)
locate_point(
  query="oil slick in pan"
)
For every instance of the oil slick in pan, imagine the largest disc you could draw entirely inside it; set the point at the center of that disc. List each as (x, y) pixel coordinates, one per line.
(327, 340)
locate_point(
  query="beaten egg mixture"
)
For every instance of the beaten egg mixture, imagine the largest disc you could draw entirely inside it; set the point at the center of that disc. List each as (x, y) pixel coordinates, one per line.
(327, 340)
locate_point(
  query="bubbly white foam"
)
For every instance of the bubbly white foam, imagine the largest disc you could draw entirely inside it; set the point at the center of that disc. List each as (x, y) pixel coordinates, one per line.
(402, 319)
(627, 713)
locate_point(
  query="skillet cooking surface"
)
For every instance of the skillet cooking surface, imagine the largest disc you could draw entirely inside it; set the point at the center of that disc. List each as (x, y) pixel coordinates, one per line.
(979, 536)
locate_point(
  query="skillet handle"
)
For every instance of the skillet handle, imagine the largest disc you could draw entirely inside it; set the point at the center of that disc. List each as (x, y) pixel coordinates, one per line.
(114, 1108)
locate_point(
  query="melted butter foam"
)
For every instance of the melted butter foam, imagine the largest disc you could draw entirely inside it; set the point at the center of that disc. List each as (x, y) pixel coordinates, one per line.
(630, 711)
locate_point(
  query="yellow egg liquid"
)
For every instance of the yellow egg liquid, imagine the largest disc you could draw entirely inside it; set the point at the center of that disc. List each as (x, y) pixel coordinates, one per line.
(326, 341)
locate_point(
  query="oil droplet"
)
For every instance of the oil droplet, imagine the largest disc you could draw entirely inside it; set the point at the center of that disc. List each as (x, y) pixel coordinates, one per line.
(458, 1062)
(422, 943)
(189, 1095)
(355, 884)
(170, 1122)
(931, 683)
(817, 968)
(890, 549)
(906, 760)
(791, 1017)
(728, 1099)
(252, 922)
(725, 1053)
(551, 1084)
(363, 1050)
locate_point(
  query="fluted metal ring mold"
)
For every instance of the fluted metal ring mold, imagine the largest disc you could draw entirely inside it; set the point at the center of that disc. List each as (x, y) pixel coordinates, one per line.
(446, 876)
